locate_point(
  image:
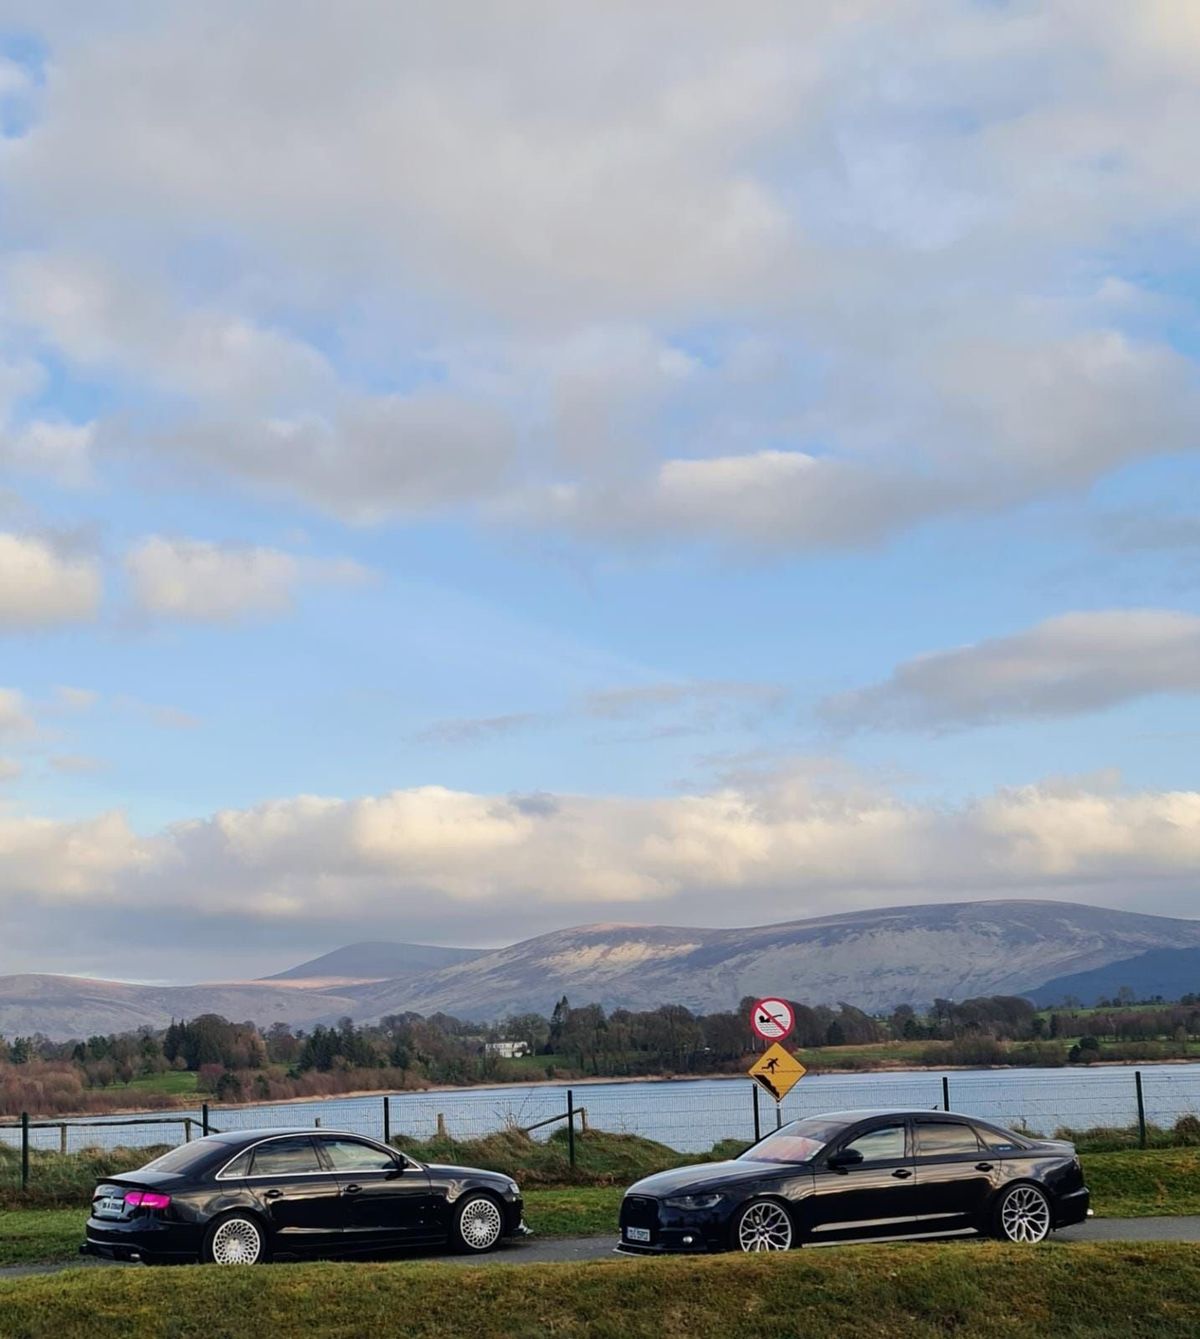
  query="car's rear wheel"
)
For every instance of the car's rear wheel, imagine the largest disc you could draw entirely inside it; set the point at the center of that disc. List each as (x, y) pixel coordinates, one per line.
(1023, 1215)
(763, 1225)
(478, 1224)
(235, 1240)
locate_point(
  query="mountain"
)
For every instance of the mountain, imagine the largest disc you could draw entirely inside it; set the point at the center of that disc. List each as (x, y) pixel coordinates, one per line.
(64, 1007)
(875, 959)
(357, 963)
(1169, 972)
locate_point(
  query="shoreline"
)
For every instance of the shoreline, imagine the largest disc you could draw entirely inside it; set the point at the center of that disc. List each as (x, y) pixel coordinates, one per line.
(194, 1103)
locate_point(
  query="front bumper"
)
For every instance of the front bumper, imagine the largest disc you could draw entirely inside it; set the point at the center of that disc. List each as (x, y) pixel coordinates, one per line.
(670, 1231)
(1073, 1208)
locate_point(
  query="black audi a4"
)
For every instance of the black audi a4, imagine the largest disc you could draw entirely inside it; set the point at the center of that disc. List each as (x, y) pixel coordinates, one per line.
(861, 1176)
(243, 1198)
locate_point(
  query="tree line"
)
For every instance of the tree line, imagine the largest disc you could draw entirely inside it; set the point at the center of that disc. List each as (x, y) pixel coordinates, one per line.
(236, 1061)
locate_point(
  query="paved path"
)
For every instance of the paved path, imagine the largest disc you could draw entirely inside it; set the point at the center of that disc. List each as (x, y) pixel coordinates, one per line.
(534, 1250)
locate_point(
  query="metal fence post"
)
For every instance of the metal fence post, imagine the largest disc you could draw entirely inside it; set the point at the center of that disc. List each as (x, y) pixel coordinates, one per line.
(387, 1120)
(204, 1118)
(945, 1093)
(1141, 1101)
(571, 1126)
(24, 1151)
(757, 1120)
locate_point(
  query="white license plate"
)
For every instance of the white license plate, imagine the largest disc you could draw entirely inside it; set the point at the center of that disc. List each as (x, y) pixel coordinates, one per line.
(637, 1234)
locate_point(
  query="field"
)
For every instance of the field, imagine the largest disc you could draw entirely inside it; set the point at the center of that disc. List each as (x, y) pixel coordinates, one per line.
(971, 1291)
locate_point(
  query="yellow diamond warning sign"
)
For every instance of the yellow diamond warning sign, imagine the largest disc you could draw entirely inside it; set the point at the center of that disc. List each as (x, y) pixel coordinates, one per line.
(777, 1071)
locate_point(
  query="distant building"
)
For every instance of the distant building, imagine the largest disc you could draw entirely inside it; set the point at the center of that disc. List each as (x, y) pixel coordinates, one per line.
(507, 1050)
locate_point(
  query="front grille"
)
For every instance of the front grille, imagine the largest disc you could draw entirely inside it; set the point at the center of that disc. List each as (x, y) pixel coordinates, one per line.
(639, 1211)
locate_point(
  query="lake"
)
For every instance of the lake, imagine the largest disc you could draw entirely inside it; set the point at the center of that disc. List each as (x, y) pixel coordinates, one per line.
(693, 1114)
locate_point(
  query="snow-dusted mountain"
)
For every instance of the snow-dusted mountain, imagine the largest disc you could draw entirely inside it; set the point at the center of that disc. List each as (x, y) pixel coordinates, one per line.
(874, 959)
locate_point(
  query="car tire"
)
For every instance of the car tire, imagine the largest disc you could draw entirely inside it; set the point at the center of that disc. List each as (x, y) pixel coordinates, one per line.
(235, 1239)
(762, 1225)
(1023, 1214)
(478, 1224)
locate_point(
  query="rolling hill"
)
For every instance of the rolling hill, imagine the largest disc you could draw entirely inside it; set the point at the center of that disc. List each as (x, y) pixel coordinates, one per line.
(874, 959)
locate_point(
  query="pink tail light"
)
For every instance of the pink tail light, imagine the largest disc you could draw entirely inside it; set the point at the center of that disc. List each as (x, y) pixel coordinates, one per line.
(147, 1199)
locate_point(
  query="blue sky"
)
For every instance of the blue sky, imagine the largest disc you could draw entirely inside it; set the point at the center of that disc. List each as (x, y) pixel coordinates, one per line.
(464, 475)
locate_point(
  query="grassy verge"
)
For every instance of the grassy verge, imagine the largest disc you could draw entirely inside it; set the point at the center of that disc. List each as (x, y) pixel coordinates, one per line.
(925, 1292)
(45, 1225)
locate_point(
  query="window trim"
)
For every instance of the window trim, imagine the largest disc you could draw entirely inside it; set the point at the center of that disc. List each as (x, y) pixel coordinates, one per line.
(315, 1141)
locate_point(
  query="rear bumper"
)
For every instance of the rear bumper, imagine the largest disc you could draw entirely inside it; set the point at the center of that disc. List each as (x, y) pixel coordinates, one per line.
(142, 1238)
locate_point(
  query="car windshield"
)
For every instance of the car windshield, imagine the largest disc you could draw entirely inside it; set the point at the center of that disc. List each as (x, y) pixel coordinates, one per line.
(185, 1157)
(797, 1142)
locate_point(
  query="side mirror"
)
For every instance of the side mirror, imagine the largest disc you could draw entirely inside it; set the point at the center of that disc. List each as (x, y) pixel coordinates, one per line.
(846, 1157)
(397, 1169)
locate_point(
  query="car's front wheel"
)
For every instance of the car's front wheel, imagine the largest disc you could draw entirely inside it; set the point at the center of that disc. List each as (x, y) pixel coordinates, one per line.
(1023, 1215)
(235, 1240)
(478, 1224)
(762, 1225)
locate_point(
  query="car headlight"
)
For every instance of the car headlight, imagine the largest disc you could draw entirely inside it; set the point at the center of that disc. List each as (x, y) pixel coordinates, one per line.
(694, 1201)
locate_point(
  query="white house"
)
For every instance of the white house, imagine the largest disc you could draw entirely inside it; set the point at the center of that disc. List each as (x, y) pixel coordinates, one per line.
(507, 1050)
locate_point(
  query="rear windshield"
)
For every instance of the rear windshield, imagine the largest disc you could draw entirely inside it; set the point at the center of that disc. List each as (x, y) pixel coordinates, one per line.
(186, 1157)
(798, 1142)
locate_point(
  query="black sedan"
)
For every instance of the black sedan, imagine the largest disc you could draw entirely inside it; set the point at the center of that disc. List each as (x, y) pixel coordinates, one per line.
(243, 1198)
(861, 1176)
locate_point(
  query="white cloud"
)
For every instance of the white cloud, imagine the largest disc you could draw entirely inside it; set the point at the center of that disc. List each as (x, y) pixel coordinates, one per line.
(15, 717)
(75, 764)
(40, 587)
(786, 847)
(1064, 666)
(10, 769)
(485, 270)
(198, 580)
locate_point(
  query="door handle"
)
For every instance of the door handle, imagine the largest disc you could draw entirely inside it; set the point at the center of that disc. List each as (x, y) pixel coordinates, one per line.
(353, 1189)
(983, 1166)
(273, 1195)
(902, 1173)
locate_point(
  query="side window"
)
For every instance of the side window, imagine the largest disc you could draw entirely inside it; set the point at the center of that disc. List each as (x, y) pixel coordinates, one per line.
(997, 1142)
(944, 1139)
(880, 1145)
(240, 1166)
(348, 1155)
(285, 1157)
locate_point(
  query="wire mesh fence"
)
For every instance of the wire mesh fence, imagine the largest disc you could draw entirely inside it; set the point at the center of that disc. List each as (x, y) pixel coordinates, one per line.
(689, 1115)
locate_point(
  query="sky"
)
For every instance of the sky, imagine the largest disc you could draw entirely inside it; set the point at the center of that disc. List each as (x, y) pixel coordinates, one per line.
(467, 471)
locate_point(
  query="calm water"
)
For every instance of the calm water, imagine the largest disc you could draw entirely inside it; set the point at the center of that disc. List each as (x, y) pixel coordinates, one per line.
(692, 1114)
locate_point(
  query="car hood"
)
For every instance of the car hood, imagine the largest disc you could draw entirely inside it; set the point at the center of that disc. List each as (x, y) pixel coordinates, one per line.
(451, 1170)
(707, 1176)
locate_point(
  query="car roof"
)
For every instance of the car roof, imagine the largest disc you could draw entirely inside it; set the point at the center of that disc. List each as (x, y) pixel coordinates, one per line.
(233, 1137)
(870, 1113)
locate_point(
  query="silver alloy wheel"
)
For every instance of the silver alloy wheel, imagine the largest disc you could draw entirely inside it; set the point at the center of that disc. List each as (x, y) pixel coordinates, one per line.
(479, 1223)
(765, 1227)
(1025, 1215)
(236, 1241)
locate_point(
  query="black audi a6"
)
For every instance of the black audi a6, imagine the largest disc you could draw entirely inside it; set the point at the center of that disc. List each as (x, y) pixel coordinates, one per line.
(242, 1198)
(861, 1176)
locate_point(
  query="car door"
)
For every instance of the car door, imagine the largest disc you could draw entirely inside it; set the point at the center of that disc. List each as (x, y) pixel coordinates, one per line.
(956, 1175)
(299, 1196)
(385, 1199)
(863, 1185)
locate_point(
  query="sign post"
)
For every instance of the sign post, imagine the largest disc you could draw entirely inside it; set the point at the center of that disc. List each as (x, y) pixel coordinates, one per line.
(776, 1070)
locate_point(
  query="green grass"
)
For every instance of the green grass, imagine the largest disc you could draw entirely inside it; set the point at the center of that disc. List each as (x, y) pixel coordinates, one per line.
(175, 1083)
(986, 1291)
